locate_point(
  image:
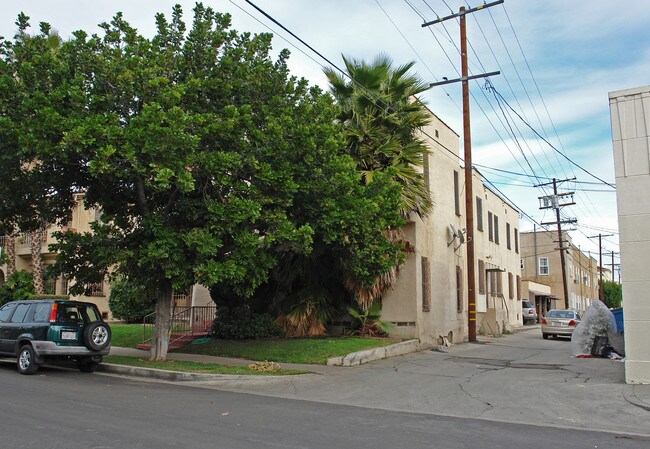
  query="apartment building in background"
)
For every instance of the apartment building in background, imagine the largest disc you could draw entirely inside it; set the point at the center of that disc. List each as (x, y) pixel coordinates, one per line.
(541, 268)
(80, 222)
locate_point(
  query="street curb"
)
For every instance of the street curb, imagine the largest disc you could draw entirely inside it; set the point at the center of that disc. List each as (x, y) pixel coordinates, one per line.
(370, 355)
(178, 376)
(353, 359)
(630, 396)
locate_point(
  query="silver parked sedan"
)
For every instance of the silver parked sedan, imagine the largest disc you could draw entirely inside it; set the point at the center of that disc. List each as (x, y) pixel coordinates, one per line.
(560, 322)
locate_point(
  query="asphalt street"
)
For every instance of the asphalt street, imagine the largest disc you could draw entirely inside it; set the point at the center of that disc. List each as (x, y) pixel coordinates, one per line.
(69, 410)
(512, 392)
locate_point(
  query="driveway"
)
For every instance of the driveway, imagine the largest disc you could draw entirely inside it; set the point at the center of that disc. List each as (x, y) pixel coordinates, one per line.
(519, 378)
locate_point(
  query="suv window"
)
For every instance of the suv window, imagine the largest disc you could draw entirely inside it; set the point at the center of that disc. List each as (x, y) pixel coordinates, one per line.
(526, 305)
(77, 312)
(6, 311)
(19, 314)
(42, 312)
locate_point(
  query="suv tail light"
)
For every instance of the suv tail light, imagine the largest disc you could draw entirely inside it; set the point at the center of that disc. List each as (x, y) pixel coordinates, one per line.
(53, 310)
(572, 323)
(543, 320)
(530, 312)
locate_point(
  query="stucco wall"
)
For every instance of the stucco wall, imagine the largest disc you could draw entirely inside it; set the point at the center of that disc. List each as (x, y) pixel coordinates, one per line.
(630, 114)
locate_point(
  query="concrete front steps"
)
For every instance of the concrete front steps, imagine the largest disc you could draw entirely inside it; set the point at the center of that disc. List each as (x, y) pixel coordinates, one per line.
(178, 340)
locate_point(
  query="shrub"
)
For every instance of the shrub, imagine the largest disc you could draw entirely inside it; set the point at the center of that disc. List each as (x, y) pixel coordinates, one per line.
(19, 285)
(239, 323)
(130, 302)
(613, 294)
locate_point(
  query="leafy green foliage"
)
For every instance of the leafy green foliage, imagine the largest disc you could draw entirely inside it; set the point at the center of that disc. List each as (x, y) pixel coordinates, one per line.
(369, 321)
(381, 118)
(239, 323)
(130, 302)
(205, 158)
(613, 294)
(18, 286)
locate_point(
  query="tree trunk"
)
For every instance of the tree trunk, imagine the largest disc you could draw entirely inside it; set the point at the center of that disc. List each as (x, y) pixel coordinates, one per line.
(160, 340)
(10, 247)
(37, 260)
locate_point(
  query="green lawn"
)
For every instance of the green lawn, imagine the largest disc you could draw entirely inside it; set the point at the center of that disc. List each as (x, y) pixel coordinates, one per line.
(194, 367)
(286, 350)
(126, 335)
(281, 350)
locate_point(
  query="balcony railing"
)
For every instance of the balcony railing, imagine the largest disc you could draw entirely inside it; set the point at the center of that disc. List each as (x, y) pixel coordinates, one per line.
(187, 321)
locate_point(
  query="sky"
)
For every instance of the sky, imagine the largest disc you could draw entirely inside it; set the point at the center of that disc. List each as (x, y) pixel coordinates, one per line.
(558, 61)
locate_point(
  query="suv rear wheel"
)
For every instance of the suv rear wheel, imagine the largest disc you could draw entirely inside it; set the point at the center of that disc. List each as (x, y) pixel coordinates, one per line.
(97, 336)
(27, 360)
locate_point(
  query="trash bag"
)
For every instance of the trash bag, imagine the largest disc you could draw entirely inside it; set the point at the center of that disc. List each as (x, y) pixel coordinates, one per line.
(597, 321)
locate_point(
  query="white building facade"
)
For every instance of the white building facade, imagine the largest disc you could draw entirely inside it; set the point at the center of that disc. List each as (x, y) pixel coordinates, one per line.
(630, 114)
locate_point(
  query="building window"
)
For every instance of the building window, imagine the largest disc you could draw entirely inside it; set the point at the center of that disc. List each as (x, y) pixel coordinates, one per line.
(437, 133)
(521, 264)
(508, 245)
(490, 227)
(479, 213)
(543, 266)
(459, 289)
(426, 285)
(481, 277)
(456, 194)
(511, 287)
(496, 229)
(518, 287)
(516, 241)
(499, 283)
(95, 289)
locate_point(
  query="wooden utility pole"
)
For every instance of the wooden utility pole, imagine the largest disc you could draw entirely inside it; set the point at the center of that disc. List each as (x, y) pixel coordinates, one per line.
(601, 293)
(467, 147)
(553, 202)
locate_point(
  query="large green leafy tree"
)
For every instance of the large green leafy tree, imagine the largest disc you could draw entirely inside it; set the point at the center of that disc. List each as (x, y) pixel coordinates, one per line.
(37, 96)
(206, 160)
(382, 118)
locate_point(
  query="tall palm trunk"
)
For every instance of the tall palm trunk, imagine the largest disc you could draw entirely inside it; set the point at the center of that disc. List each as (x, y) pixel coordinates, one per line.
(37, 260)
(10, 242)
(160, 340)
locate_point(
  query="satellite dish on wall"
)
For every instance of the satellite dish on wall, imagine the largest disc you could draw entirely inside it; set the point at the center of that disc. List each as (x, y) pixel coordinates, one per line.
(454, 234)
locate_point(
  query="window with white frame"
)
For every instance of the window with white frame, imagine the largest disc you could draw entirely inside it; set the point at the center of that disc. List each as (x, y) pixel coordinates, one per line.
(543, 266)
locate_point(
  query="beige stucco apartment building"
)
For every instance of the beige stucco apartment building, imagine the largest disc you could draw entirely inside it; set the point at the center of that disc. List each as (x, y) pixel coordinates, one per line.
(541, 265)
(80, 222)
(630, 114)
(429, 300)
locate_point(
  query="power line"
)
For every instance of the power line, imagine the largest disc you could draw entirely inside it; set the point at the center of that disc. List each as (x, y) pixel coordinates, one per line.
(549, 143)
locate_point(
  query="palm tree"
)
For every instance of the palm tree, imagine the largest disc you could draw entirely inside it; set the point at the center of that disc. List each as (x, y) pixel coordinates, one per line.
(381, 117)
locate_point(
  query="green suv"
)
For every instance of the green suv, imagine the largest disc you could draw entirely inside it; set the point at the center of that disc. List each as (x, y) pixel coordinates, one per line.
(35, 331)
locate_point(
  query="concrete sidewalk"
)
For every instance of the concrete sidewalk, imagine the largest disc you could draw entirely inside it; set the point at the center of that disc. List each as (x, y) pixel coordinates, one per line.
(518, 378)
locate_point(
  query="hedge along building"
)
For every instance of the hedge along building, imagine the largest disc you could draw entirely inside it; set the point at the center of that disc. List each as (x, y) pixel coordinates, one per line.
(429, 299)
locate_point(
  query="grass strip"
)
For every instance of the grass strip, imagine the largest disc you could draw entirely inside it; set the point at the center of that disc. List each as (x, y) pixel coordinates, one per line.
(195, 367)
